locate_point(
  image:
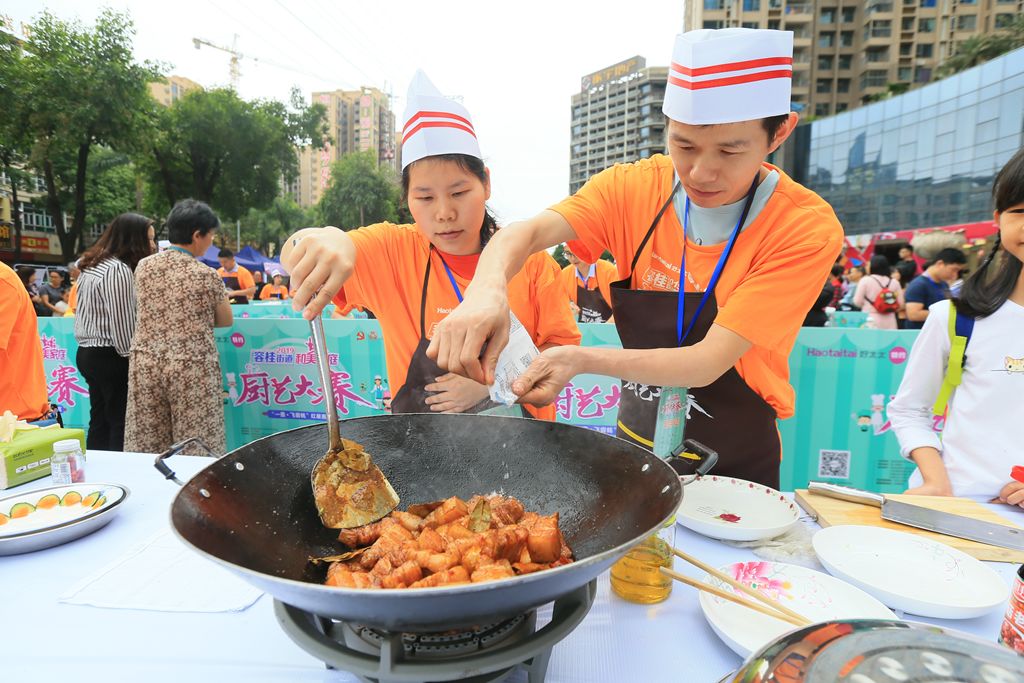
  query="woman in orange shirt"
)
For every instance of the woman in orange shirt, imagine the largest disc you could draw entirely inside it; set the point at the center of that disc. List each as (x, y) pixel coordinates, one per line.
(276, 290)
(412, 276)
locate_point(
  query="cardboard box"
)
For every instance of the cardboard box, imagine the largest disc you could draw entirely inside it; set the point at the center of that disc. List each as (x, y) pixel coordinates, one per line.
(27, 457)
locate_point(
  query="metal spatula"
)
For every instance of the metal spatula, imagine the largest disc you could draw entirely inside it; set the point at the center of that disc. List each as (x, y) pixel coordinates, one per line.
(349, 489)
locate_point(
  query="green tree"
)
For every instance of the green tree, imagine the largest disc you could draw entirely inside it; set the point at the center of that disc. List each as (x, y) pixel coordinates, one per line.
(559, 255)
(82, 88)
(112, 188)
(266, 228)
(215, 147)
(981, 48)
(360, 193)
(15, 143)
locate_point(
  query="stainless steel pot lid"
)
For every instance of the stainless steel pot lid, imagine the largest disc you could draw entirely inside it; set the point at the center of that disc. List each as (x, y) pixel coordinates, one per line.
(872, 651)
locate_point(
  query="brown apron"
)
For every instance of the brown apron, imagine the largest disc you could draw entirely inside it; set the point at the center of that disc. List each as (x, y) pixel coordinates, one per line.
(592, 306)
(232, 283)
(412, 396)
(727, 415)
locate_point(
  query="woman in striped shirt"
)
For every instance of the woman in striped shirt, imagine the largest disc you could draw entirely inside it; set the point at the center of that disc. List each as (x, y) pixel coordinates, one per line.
(105, 323)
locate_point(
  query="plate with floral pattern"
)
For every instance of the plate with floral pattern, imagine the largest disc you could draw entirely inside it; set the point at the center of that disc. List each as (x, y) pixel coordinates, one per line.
(812, 594)
(43, 518)
(735, 509)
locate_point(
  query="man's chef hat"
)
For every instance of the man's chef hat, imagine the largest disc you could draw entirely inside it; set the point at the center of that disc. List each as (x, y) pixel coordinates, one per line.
(435, 124)
(729, 75)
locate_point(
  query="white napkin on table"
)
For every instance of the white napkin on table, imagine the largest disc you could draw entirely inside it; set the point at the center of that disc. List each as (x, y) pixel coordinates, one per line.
(163, 575)
(792, 547)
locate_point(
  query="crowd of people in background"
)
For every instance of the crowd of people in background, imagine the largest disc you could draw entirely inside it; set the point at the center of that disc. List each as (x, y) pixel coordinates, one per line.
(143, 321)
(893, 295)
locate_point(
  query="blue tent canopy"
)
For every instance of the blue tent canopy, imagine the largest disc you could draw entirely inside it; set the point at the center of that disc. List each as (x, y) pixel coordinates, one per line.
(251, 258)
(210, 257)
(247, 256)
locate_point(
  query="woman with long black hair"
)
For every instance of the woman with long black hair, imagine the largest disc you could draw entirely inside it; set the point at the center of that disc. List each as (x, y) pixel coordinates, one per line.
(983, 433)
(105, 323)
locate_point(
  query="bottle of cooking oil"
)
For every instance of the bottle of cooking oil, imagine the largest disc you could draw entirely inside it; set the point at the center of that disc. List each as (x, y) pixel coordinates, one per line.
(637, 577)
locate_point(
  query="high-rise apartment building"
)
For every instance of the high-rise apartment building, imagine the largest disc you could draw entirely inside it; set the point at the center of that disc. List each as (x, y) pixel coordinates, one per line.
(171, 90)
(845, 51)
(358, 121)
(616, 117)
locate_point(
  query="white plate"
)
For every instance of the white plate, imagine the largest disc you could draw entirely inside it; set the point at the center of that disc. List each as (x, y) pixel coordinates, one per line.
(815, 595)
(911, 573)
(43, 518)
(735, 509)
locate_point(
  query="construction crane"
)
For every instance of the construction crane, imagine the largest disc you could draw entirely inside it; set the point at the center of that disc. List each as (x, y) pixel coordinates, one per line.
(236, 56)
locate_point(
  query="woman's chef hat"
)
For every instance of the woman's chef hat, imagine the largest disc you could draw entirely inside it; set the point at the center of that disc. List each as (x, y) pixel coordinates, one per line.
(435, 124)
(729, 75)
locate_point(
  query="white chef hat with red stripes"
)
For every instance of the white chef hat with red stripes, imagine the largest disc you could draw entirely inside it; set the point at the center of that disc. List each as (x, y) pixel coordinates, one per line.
(729, 75)
(434, 124)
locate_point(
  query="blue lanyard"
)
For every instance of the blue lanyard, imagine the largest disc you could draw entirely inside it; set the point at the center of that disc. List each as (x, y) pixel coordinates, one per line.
(183, 251)
(451, 277)
(719, 267)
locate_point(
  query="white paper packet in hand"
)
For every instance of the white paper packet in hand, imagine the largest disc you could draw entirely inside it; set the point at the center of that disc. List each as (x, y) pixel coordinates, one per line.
(512, 362)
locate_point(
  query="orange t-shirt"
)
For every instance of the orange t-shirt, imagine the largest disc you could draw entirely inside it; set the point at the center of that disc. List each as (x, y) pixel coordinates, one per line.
(773, 276)
(245, 280)
(604, 275)
(23, 380)
(270, 290)
(388, 279)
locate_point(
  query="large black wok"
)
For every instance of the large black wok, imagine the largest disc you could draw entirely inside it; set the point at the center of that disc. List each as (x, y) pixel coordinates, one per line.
(252, 510)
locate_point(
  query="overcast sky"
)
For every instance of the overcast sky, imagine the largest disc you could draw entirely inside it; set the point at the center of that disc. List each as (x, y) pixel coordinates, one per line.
(515, 64)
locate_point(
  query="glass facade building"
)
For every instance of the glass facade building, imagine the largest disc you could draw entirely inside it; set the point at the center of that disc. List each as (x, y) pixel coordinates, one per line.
(922, 159)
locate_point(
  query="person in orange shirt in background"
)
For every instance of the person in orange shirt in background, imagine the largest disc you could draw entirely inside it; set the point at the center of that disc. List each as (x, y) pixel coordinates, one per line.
(237, 278)
(588, 286)
(721, 257)
(275, 290)
(412, 276)
(23, 379)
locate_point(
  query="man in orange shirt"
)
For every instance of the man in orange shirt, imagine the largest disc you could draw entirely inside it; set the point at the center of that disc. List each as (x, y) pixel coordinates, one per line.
(588, 287)
(239, 281)
(23, 379)
(716, 311)
(412, 276)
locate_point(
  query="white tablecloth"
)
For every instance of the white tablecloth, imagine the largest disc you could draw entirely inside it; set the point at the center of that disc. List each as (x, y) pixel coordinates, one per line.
(46, 640)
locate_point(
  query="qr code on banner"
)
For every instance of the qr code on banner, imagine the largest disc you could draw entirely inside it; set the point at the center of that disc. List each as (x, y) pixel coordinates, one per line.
(834, 464)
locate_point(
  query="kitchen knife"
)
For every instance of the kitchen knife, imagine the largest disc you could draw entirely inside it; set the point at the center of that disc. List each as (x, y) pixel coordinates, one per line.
(925, 518)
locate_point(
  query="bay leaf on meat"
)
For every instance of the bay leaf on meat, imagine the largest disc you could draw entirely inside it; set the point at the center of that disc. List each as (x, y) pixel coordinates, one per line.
(480, 516)
(339, 558)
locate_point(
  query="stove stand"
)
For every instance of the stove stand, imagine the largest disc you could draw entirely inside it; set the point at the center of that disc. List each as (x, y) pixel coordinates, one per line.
(484, 654)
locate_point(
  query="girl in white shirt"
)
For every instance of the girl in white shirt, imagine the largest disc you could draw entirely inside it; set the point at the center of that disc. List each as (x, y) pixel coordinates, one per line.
(983, 437)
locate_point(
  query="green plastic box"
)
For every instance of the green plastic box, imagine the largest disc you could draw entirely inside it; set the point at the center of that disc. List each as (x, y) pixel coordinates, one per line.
(27, 457)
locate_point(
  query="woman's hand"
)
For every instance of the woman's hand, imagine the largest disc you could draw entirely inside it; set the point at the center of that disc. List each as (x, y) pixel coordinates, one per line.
(454, 394)
(1012, 494)
(319, 261)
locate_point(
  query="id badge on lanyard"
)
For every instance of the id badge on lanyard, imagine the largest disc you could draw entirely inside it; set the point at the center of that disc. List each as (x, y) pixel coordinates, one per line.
(719, 267)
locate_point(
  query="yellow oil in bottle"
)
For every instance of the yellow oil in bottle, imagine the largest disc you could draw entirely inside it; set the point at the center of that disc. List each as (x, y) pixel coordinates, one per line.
(637, 576)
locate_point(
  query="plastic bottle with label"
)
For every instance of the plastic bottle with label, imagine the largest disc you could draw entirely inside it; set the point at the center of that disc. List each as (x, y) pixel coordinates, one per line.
(670, 427)
(67, 464)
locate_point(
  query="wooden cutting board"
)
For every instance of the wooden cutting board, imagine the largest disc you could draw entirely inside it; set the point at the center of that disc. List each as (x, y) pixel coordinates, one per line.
(831, 511)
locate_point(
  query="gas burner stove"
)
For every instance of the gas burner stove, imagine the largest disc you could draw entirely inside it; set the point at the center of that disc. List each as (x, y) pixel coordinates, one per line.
(482, 654)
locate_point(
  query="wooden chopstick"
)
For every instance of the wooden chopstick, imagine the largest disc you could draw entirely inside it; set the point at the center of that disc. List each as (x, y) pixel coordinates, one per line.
(757, 595)
(732, 597)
